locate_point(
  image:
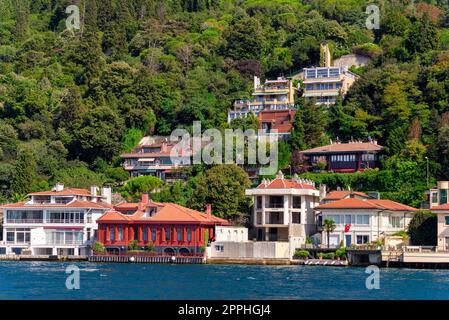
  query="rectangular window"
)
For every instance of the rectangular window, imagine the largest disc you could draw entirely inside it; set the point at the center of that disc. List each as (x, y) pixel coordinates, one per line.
(120, 234)
(434, 197)
(10, 236)
(111, 234)
(395, 222)
(297, 202)
(443, 196)
(189, 234)
(362, 239)
(178, 234)
(446, 220)
(362, 219)
(153, 234)
(167, 233)
(349, 219)
(145, 234)
(219, 248)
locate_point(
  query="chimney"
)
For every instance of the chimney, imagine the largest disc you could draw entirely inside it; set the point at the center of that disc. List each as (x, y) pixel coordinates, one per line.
(93, 192)
(106, 193)
(209, 210)
(59, 187)
(323, 191)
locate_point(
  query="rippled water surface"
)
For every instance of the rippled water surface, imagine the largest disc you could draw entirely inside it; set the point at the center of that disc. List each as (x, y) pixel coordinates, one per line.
(46, 280)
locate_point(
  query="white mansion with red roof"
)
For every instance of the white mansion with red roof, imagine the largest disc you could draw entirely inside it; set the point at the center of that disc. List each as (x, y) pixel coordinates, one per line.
(360, 220)
(57, 222)
(284, 209)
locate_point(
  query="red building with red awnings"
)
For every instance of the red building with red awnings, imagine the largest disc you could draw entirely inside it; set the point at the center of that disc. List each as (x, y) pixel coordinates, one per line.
(171, 228)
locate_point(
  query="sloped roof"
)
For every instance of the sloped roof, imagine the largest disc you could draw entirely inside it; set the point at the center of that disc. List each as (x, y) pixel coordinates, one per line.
(72, 204)
(168, 212)
(282, 183)
(346, 147)
(441, 207)
(65, 192)
(355, 203)
(338, 195)
(281, 120)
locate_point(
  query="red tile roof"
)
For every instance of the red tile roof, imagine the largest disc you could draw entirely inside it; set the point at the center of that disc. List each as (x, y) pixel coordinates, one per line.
(73, 204)
(441, 207)
(281, 120)
(345, 147)
(168, 212)
(281, 183)
(355, 203)
(338, 195)
(67, 192)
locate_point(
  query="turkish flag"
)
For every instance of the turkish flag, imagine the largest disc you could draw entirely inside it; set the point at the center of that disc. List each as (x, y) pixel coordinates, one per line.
(347, 227)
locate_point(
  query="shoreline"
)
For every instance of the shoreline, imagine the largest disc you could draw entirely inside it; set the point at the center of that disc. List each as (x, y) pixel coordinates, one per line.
(221, 261)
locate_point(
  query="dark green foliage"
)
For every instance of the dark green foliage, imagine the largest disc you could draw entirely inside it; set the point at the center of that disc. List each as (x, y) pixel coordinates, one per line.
(24, 172)
(222, 186)
(423, 229)
(148, 67)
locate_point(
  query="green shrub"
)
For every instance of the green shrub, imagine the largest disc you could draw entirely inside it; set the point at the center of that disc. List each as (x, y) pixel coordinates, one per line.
(341, 253)
(98, 247)
(150, 247)
(133, 245)
(330, 255)
(301, 253)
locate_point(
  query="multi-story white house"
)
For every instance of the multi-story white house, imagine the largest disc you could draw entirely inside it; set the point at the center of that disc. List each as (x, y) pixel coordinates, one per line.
(325, 84)
(278, 94)
(284, 209)
(57, 222)
(154, 156)
(438, 203)
(360, 221)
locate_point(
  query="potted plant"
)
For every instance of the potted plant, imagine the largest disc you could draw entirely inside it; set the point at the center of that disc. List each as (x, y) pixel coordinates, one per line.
(320, 255)
(301, 254)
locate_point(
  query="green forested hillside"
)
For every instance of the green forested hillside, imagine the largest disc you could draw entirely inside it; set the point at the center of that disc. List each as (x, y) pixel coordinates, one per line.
(71, 102)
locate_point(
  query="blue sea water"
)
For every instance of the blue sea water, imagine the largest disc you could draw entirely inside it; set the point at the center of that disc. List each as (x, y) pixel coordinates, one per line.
(46, 280)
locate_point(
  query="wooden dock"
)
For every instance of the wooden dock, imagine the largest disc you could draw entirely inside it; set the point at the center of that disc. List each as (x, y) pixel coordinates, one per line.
(146, 259)
(23, 257)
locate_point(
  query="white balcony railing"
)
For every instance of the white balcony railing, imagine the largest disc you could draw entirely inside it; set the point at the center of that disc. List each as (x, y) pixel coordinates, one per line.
(24, 221)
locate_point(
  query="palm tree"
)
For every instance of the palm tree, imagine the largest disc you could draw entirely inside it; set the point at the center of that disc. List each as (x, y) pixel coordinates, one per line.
(329, 226)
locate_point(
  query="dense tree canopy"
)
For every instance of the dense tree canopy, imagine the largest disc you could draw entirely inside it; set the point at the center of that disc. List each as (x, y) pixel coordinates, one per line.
(76, 99)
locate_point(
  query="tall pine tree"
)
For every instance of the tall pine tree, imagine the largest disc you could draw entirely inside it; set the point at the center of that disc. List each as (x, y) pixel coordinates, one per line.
(24, 172)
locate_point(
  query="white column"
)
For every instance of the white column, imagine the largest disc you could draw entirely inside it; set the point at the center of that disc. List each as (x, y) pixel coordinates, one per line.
(286, 210)
(77, 251)
(263, 209)
(54, 252)
(304, 210)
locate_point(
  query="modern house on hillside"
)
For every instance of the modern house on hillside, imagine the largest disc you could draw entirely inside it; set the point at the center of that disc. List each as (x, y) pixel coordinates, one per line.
(343, 157)
(283, 209)
(171, 228)
(57, 222)
(278, 94)
(361, 221)
(325, 84)
(153, 157)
